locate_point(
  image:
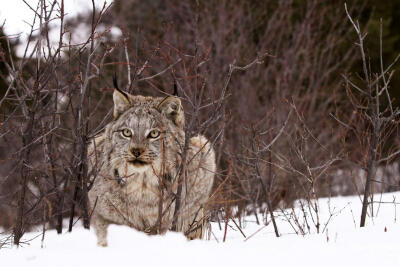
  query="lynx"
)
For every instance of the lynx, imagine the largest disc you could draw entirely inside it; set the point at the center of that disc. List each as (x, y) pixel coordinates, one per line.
(136, 164)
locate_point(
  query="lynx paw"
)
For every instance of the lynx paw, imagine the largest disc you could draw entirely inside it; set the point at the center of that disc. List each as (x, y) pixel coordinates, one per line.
(102, 243)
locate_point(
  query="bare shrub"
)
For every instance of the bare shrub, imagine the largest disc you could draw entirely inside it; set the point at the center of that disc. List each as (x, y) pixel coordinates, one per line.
(374, 119)
(259, 78)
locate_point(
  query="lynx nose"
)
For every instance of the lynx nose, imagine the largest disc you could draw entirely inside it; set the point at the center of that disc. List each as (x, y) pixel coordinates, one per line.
(137, 151)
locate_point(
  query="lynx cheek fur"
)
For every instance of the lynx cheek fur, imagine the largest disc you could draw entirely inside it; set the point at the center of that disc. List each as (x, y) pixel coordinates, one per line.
(135, 162)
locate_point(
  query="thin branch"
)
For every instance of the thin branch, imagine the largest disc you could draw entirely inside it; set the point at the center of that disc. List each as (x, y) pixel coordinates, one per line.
(267, 147)
(161, 72)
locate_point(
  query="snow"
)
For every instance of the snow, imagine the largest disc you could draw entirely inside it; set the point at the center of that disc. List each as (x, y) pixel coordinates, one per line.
(16, 17)
(342, 243)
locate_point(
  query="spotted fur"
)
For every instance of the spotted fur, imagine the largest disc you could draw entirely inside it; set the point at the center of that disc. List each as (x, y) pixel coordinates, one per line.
(134, 175)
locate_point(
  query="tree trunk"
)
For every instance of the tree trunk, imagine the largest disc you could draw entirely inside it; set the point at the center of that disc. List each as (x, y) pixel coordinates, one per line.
(26, 141)
(370, 174)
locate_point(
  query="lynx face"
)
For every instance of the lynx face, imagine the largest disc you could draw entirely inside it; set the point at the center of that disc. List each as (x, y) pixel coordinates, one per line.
(136, 138)
(144, 134)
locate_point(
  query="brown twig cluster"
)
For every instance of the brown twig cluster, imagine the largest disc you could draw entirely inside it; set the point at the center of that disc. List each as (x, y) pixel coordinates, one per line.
(261, 80)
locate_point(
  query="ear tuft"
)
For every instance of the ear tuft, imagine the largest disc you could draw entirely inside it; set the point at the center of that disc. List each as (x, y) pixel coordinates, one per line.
(121, 102)
(171, 107)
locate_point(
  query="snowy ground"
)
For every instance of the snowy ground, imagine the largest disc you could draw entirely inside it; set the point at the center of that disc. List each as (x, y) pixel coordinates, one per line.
(342, 243)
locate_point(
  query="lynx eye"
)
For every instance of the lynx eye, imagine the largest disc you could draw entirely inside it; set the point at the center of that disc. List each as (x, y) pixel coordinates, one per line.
(154, 134)
(126, 132)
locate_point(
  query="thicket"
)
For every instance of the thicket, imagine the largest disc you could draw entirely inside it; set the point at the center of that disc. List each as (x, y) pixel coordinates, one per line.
(267, 81)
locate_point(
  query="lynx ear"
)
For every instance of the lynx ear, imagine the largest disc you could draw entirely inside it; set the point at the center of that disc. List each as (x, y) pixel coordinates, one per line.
(121, 102)
(171, 107)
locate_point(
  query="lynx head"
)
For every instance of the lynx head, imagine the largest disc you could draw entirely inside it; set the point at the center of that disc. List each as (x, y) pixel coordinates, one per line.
(145, 131)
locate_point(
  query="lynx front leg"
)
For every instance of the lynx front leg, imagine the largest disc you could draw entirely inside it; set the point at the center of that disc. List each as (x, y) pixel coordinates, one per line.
(198, 226)
(100, 226)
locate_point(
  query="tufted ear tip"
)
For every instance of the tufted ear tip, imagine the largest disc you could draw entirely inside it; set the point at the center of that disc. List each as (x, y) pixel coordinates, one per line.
(121, 102)
(172, 108)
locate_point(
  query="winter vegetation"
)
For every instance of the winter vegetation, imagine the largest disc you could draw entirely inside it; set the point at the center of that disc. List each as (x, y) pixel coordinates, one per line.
(342, 242)
(298, 99)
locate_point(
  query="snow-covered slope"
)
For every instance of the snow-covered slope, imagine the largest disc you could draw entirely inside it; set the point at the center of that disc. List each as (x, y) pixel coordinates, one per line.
(342, 243)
